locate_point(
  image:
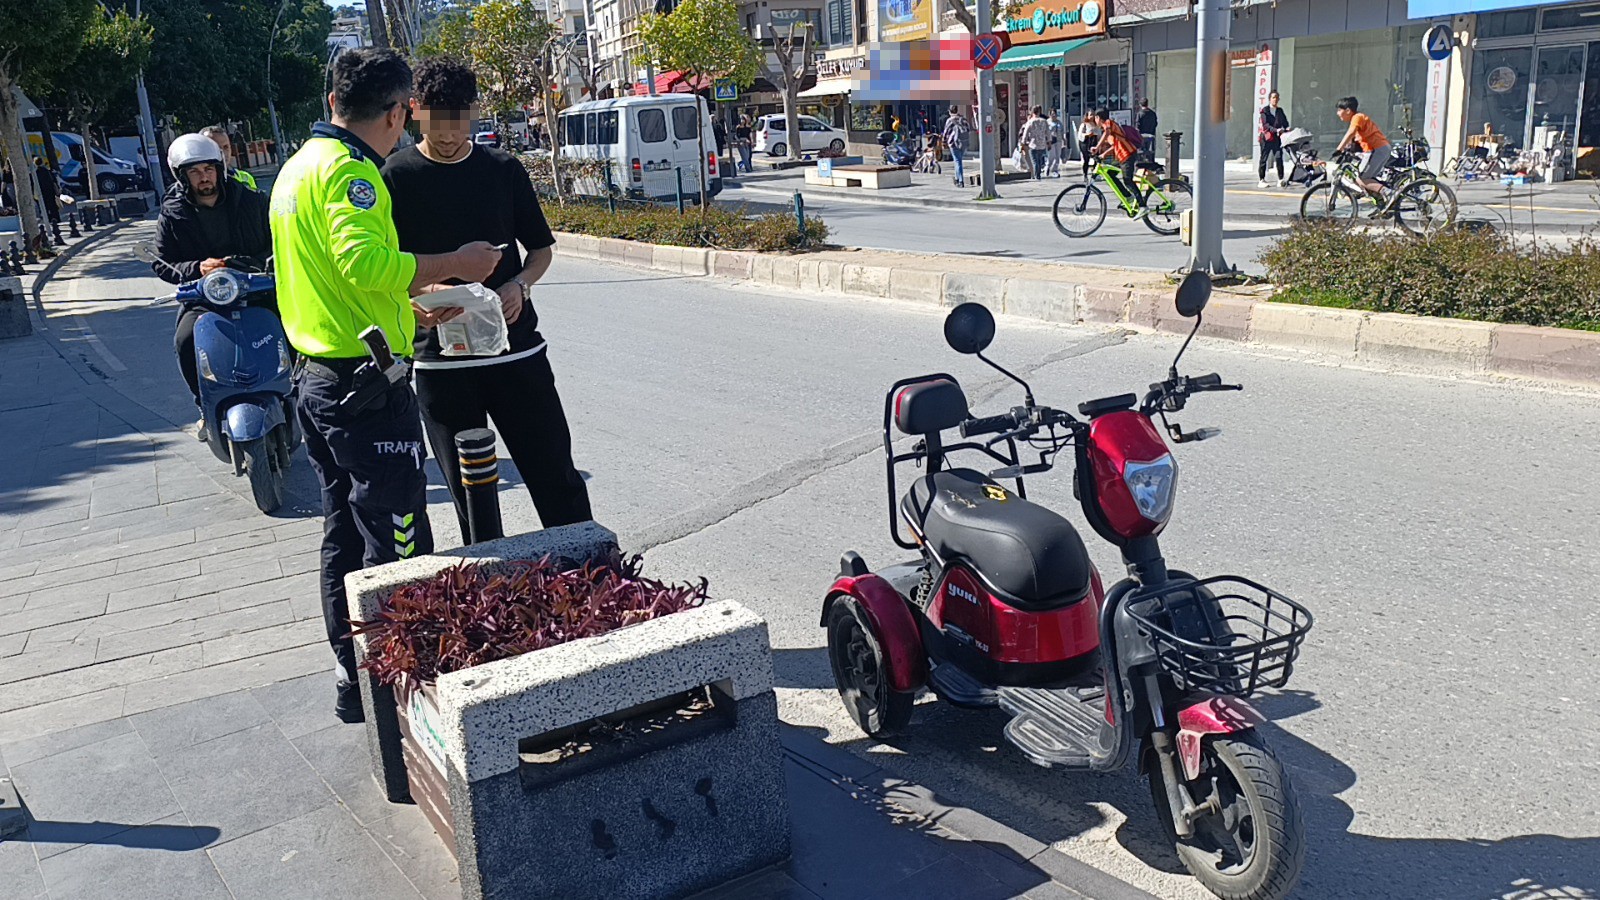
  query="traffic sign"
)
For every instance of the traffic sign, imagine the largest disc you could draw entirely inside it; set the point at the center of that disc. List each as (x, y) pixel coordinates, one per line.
(986, 50)
(725, 90)
(1438, 43)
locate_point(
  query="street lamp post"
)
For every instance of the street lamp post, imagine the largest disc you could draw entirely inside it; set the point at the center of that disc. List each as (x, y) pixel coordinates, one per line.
(272, 107)
(1211, 135)
(986, 132)
(147, 126)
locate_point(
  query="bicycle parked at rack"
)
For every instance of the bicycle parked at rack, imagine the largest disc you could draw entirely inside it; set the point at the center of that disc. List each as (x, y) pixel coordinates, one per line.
(1418, 201)
(1080, 210)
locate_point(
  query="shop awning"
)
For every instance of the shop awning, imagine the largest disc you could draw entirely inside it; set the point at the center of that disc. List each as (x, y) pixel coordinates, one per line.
(673, 83)
(1038, 56)
(830, 88)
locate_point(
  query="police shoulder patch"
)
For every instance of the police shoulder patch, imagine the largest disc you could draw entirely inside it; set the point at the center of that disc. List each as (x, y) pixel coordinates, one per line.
(362, 194)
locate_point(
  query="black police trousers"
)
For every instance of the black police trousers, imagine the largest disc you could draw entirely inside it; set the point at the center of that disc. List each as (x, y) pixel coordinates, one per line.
(374, 491)
(520, 396)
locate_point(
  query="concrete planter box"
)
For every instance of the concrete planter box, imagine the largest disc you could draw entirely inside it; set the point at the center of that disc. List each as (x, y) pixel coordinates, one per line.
(13, 309)
(640, 763)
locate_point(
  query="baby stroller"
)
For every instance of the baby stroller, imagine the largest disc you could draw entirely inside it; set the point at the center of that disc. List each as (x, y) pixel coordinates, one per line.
(896, 152)
(928, 162)
(1308, 169)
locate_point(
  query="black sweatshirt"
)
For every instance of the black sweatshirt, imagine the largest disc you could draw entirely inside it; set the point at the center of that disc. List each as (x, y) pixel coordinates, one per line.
(485, 197)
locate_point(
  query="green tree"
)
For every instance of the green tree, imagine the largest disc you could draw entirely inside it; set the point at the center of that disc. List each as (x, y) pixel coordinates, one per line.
(704, 39)
(508, 38)
(35, 46)
(115, 46)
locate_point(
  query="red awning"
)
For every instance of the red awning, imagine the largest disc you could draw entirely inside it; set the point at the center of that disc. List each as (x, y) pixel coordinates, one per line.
(673, 83)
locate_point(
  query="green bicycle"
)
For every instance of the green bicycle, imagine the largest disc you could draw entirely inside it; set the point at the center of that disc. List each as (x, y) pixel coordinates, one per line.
(1080, 210)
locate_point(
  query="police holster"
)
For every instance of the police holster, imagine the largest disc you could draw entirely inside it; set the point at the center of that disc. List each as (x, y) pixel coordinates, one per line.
(373, 379)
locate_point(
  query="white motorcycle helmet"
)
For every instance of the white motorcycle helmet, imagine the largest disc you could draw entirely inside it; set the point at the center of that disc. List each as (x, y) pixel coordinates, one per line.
(190, 149)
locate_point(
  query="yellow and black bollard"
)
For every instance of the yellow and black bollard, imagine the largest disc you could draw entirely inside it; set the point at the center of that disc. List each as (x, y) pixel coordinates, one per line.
(480, 477)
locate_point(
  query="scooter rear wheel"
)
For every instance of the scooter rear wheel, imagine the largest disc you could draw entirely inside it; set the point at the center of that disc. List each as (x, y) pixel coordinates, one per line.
(861, 671)
(1251, 846)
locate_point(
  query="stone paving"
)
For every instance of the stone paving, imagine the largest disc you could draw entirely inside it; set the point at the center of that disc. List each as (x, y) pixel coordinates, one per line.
(165, 690)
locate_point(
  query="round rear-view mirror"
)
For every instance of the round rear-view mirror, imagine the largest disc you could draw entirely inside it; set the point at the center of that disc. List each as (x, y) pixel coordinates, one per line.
(145, 250)
(1193, 292)
(969, 328)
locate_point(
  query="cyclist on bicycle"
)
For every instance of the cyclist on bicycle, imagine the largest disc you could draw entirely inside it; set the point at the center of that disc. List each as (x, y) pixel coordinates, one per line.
(1364, 133)
(1114, 141)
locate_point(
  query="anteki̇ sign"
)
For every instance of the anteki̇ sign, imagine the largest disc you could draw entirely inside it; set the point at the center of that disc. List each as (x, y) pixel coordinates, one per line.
(1055, 20)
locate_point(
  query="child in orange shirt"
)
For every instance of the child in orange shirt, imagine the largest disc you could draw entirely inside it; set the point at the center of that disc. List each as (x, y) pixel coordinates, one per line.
(1365, 134)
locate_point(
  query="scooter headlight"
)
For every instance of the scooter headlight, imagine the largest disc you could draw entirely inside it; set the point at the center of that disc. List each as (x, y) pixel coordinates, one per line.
(1153, 486)
(222, 287)
(283, 356)
(203, 363)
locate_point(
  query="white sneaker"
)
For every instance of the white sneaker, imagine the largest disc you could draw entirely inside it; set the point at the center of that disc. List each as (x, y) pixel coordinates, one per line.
(1261, 184)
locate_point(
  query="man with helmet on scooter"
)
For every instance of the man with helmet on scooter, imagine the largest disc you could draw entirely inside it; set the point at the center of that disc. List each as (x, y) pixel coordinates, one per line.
(205, 219)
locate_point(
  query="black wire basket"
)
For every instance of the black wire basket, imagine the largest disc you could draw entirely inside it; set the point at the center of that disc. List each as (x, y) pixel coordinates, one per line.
(1223, 635)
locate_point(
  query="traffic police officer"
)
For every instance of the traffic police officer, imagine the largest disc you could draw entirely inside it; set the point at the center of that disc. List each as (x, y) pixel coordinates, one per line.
(340, 272)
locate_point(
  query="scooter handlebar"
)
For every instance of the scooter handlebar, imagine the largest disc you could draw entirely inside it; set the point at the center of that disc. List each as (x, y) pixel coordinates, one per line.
(988, 425)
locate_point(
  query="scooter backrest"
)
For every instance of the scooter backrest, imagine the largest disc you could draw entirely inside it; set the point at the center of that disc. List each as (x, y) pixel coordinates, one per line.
(929, 406)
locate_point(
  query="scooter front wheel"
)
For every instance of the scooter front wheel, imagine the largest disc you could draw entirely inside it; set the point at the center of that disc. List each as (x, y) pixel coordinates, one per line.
(266, 477)
(860, 671)
(1249, 843)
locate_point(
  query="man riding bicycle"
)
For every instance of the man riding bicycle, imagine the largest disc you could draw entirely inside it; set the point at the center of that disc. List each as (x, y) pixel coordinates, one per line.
(1115, 142)
(1365, 134)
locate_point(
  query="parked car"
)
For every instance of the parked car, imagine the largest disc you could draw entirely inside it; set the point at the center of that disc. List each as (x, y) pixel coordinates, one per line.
(652, 144)
(486, 139)
(771, 135)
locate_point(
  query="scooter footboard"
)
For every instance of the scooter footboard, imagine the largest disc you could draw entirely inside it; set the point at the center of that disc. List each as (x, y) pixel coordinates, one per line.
(1214, 715)
(893, 624)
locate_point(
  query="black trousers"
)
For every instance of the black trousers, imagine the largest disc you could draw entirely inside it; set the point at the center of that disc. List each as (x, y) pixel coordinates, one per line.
(1271, 150)
(520, 396)
(1086, 147)
(374, 491)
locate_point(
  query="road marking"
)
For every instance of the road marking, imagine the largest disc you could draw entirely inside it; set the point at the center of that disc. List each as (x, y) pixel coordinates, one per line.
(99, 345)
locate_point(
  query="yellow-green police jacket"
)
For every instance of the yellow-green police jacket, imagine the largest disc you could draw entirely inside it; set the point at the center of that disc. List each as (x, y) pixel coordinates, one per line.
(337, 256)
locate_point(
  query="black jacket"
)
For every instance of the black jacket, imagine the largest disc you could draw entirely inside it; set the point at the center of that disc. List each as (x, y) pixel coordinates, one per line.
(182, 244)
(1147, 121)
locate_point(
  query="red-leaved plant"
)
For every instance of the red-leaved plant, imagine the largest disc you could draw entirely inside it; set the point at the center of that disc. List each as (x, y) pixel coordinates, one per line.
(463, 617)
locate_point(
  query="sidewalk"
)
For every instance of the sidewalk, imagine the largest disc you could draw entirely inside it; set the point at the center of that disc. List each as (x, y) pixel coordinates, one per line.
(164, 686)
(1565, 206)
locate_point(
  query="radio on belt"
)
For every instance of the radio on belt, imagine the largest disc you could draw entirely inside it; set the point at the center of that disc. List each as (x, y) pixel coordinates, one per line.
(375, 375)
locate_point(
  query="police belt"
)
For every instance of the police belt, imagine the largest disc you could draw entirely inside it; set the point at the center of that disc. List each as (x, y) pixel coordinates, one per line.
(361, 377)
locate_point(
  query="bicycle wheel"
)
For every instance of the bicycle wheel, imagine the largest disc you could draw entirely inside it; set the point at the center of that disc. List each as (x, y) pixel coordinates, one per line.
(1165, 203)
(1425, 208)
(1079, 210)
(1328, 201)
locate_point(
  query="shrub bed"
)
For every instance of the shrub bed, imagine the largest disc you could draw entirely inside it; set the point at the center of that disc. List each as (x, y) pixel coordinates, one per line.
(725, 229)
(463, 617)
(1458, 274)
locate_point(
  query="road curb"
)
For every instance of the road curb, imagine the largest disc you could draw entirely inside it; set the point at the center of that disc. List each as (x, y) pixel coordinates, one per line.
(1392, 340)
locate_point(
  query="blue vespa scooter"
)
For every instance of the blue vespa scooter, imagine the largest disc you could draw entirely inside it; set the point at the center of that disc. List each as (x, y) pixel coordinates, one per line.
(246, 390)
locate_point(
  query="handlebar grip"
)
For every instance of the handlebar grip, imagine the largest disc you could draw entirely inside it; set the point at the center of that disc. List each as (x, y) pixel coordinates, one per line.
(989, 425)
(1206, 381)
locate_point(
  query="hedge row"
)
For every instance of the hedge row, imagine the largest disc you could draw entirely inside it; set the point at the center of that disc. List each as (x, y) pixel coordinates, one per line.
(1478, 275)
(724, 229)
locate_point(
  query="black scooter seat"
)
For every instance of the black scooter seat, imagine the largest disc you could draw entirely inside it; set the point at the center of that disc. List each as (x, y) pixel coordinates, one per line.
(1033, 556)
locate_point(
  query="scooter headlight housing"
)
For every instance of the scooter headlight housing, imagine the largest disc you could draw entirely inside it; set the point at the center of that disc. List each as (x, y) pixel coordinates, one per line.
(283, 356)
(222, 287)
(1153, 485)
(203, 363)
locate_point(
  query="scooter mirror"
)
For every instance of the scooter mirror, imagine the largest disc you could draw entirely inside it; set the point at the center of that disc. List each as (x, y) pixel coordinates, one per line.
(969, 328)
(1193, 293)
(145, 250)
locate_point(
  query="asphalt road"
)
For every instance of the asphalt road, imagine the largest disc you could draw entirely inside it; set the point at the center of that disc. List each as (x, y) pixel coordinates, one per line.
(1441, 727)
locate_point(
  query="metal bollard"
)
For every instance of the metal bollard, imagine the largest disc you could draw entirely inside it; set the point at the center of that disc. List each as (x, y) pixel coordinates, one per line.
(800, 215)
(680, 190)
(72, 225)
(1174, 143)
(5, 266)
(16, 260)
(27, 253)
(480, 478)
(88, 220)
(611, 190)
(55, 232)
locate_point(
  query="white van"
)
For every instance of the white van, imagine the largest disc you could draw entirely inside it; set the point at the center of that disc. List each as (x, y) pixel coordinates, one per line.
(649, 141)
(114, 175)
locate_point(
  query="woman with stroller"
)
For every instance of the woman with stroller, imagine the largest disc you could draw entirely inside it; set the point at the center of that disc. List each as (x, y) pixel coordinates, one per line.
(1273, 122)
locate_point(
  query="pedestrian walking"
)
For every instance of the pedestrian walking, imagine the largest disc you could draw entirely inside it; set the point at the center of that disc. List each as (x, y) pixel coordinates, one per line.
(1273, 122)
(1088, 137)
(1058, 144)
(448, 193)
(743, 142)
(49, 189)
(719, 133)
(1147, 128)
(340, 272)
(956, 132)
(1035, 136)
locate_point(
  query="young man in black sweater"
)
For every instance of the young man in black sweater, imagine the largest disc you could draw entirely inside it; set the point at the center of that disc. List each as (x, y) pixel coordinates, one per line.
(446, 192)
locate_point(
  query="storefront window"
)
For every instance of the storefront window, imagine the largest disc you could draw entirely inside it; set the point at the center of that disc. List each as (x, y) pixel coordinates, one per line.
(1507, 24)
(1572, 17)
(1498, 93)
(1383, 68)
